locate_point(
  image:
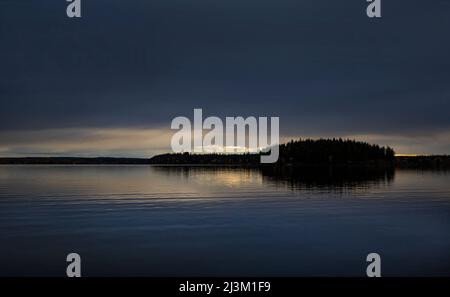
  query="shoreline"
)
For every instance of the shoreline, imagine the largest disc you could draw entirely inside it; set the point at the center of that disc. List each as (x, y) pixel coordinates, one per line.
(435, 162)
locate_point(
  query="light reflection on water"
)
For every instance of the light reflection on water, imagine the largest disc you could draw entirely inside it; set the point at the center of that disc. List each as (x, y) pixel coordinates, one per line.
(140, 220)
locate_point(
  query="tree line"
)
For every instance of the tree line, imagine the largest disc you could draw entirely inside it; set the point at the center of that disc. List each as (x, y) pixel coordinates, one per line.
(333, 151)
(307, 151)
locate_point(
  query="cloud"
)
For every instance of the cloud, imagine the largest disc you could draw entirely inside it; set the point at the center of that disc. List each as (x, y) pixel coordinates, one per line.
(323, 67)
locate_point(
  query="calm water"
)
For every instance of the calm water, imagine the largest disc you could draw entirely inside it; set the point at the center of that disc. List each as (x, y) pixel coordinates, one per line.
(140, 220)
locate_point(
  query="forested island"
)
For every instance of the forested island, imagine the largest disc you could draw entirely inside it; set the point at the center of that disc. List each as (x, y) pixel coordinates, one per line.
(293, 153)
(317, 153)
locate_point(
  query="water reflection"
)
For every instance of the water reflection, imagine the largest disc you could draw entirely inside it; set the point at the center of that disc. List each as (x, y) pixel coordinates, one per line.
(335, 179)
(213, 221)
(331, 178)
(226, 176)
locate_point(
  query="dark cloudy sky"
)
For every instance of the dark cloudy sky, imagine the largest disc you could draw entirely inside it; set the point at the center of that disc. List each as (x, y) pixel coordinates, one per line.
(111, 82)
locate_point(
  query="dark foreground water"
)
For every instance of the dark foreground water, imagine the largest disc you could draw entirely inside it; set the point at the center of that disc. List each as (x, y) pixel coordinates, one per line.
(140, 220)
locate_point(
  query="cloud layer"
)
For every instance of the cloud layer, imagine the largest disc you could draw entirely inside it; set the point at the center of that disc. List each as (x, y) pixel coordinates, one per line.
(323, 67)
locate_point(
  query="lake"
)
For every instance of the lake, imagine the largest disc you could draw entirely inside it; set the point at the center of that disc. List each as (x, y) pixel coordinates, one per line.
(200, 221)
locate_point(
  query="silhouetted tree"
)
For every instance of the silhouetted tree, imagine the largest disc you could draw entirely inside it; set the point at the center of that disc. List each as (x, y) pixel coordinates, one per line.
(308, 151)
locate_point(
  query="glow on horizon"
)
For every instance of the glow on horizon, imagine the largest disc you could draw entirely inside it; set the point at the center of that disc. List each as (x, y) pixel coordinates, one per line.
(147, 142)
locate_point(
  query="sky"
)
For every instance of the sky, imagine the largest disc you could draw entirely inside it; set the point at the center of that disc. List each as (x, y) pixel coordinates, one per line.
(110, 82)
